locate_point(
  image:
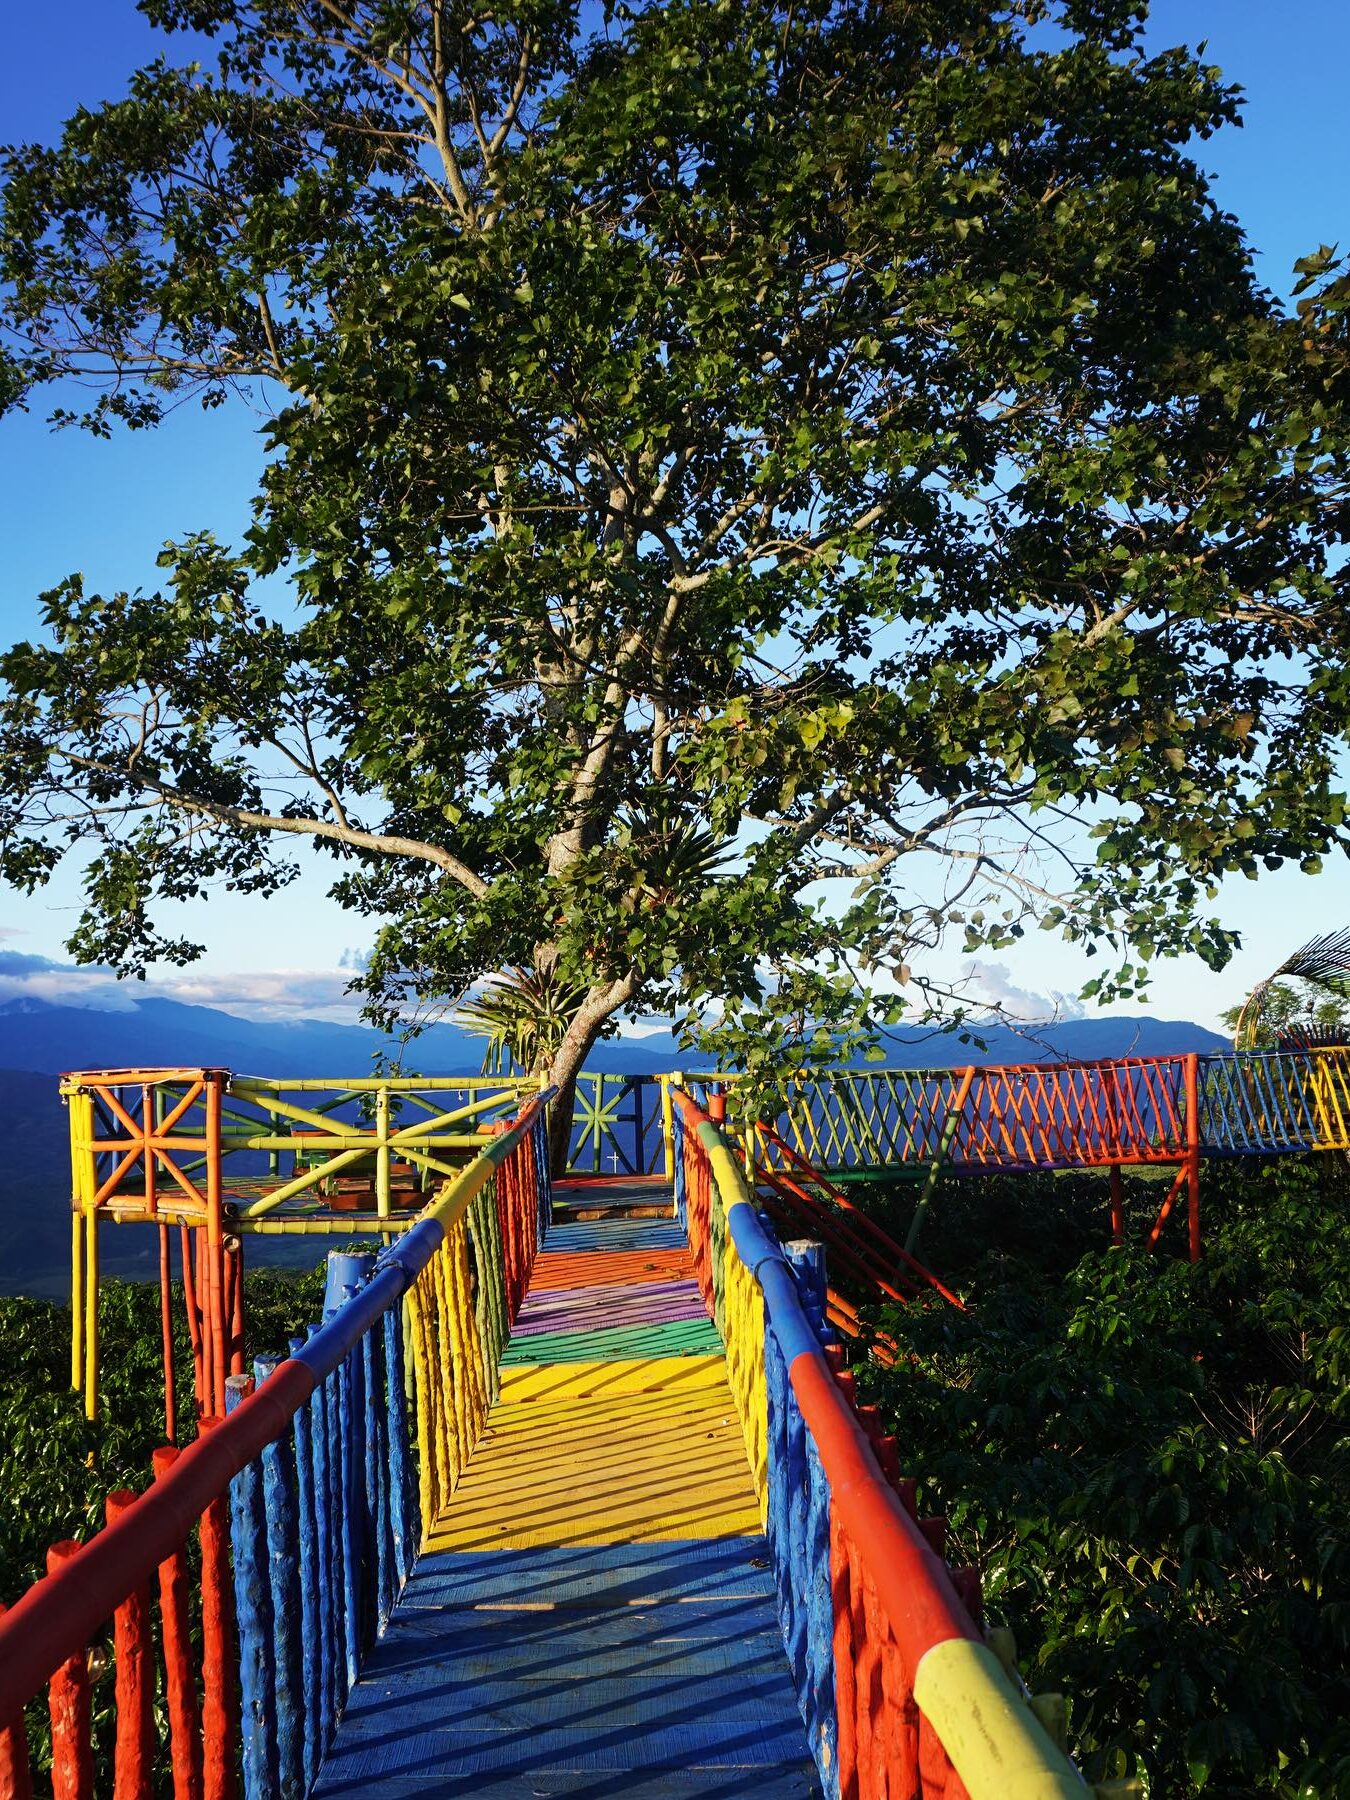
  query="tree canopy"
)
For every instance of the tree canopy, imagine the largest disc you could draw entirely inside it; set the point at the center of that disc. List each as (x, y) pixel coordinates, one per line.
(716, 449)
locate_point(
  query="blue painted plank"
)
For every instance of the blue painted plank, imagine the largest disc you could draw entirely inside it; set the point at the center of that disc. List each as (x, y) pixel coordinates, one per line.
(770, 1782)
(613, 1574)
(618, 1234)
(379, 1738)
(418, 1676)
(699, 1625)
(525, 1653)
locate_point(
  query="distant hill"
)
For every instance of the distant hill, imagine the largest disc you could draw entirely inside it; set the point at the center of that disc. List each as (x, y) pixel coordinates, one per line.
(1086, 1040)
(39, 1034)
(39, 1040)
(42, 1035)
(34, 1188)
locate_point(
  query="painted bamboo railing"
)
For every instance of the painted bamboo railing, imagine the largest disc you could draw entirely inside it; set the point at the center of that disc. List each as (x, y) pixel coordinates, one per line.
(900, 1691)
(1054, 1115)
(304, 1489)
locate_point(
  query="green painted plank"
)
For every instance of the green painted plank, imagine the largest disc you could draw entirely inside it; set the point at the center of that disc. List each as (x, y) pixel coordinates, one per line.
(682, 1337)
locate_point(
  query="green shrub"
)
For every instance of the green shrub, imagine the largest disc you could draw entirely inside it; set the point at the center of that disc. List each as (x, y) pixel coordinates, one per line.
(56, 1468)
(1151, 1465)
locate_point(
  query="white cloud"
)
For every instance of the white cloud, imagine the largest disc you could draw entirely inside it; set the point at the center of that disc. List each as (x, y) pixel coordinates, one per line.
(263, 993)
(257, 994)
(95, 990)
(992, 983)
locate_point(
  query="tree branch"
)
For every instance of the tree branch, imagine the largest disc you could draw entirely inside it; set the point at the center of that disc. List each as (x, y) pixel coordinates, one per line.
(381, 843)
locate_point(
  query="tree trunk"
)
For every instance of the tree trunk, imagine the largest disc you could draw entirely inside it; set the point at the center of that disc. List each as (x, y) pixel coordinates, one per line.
(561, 1112)
(567, 1063)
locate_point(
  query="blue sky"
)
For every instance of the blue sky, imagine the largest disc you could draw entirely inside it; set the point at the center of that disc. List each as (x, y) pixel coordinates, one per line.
(69, 503)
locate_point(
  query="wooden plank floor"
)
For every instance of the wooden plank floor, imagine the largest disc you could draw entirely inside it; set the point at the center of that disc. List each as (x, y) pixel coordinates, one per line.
(593, 1614)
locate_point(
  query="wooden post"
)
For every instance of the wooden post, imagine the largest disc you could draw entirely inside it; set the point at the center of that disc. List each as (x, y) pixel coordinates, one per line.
(382, 1152)
(377, 1482)
(635, 1086)
(400, 1479)
(76, 1296)
(276, 1493)
(166, 1333)
(215, 1241)
(1165, 1210)
(667, 1128)
(180, 1687)
(320, 1414)
(1117, 1207)
(16, 1776)
(203, 1255)
(220, 1698)
(187, 1249)
(253, 1609)
(351, 1520)
(68, 1700)
(148, 1124)
(311, 1553)
(1193, 1154)
(808, 1265)
(91, 1313)
(134, 1681)
(77, 1105)
(234, 1254)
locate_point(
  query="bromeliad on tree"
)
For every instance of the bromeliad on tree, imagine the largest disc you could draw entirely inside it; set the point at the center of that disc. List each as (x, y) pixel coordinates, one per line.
(848, 438)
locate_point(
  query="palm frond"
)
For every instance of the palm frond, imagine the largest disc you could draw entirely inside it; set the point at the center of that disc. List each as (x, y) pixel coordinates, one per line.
(1270, 1013)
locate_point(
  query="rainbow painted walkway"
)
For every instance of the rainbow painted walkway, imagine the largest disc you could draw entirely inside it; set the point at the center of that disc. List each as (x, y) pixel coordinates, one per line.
(594, 1613)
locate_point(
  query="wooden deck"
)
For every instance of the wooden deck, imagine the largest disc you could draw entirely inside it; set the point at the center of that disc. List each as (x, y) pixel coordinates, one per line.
(593, 1614)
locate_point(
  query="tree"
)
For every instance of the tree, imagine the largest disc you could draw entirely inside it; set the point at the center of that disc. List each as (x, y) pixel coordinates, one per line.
(739, 447)
(1292, 1013)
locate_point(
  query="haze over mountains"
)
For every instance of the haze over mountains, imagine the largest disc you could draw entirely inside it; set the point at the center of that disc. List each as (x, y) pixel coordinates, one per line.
(48, 1037)
(41, 1039)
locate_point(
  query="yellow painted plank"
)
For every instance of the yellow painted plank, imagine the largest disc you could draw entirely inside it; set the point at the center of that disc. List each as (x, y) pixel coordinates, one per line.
(609, 1421)
(517, 1438)
(636, 1375)
(615, 1472)
(550, 1419)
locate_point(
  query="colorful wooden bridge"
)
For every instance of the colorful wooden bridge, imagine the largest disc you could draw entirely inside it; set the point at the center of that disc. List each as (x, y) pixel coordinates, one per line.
(551, 1503)
(543, 1507)
(216, 1159)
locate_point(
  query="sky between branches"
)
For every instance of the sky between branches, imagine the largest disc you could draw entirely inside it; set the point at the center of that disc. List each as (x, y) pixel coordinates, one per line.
(69, 503)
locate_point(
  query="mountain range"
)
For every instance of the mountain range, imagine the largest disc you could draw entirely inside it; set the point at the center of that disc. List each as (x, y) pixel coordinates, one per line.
(41, 1039)
(47, 1037)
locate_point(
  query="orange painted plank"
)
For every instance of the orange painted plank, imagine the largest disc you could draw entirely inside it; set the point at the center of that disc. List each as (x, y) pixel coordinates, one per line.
(609, 1268)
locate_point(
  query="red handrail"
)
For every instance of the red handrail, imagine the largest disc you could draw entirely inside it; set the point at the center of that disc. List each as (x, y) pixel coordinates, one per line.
(882, 1245)
(58, 1615)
